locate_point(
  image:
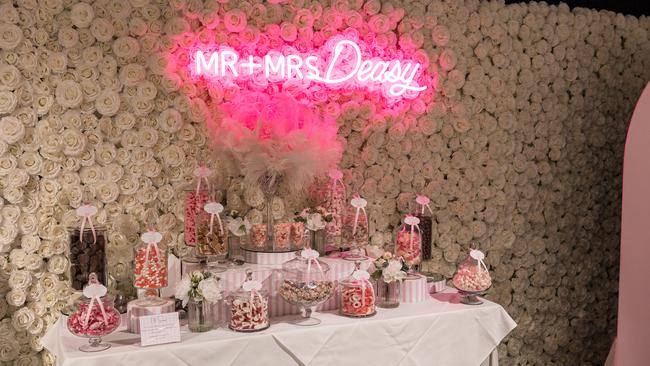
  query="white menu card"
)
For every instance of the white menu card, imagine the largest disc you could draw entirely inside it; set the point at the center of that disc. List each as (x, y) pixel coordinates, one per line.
(159, 329)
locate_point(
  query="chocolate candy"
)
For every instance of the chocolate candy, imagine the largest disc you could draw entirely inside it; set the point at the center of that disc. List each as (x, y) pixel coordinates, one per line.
(87, 256)
(426, 226)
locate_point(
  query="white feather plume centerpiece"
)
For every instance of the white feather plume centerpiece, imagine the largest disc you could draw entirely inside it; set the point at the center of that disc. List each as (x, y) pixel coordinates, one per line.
(276, 140)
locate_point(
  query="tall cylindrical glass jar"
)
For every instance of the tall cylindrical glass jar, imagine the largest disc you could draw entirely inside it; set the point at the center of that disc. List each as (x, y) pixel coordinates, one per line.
(408, 243)
(150, 268)
(424, 214)
(356, 229)
(211, 232)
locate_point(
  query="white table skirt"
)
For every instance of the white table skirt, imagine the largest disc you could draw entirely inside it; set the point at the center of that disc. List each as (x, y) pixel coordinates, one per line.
(436, 332)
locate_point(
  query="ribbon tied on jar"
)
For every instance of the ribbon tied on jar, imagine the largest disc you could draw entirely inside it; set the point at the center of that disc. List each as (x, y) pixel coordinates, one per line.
(214, 209)
(413, 222)
(364, 279)
(253, 286)
(337, 178)
(151, 238)
(86, 212)
(202, 173)
(360, 205)
(312, 257)
(423, 201)
(478, 256)
(94, 291)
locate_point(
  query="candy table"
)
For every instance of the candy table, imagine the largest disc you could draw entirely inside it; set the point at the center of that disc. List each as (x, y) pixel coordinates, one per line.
(439, 331)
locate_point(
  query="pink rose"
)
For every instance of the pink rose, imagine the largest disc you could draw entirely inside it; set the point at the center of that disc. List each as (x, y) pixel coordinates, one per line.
(332, 110)
(379, 24)
(303, 19)
(249, 36)
(273, 31)
(235, 20)
(353, 19)
(288, 32)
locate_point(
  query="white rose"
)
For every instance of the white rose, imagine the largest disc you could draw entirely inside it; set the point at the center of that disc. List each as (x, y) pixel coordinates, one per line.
(146, 90)
(9, 348)
(73, 141)
(7, 163)
(34, 262)
(107, 103)
(107, 192)
(8, 233)
(20, 279)
(132, 74)
(29, 359)
(16, 297)
(57, 264)
(173, 155)
(23, 318)
(69, 94)
(10, 77)
(3, 308)
(68, 37)
(126, 47)
(30, 243)
(102, 29)
(31, 162)
(8, 102)
(182, 289)
(210, 289)
(10, 36)
(170, 120)
(81, 15)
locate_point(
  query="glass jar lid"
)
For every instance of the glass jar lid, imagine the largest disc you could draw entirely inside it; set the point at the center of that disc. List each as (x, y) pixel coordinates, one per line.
(249, 286)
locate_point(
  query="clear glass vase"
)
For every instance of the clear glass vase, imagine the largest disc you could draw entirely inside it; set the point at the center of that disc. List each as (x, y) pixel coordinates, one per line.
(317, 241)
(388, 293)
(199, 315)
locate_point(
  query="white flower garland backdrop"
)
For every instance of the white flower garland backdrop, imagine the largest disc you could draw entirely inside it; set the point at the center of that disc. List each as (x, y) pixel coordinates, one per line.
(520, 151)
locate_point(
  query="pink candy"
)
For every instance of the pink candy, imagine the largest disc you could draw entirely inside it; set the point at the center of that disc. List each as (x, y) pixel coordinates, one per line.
(193, 205)
(281, 236)
(409, 247)
(470, 278)
(249, 314)
(258, 236)
(298, 234)
(96, 326)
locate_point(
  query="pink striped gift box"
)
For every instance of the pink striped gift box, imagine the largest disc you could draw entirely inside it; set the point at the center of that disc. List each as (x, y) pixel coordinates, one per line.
(414, 290)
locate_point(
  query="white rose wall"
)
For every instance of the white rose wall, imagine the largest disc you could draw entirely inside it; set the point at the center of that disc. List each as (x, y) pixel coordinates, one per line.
(518, 141)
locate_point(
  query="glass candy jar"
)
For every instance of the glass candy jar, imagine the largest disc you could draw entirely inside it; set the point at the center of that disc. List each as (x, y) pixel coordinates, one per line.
(249, 306)
(472, 277)
(94, 317)
(150, 268)
(408, 243)
(424, 214)
(87, 251)
(211, 233)
(305, 283)
(355, 230)
(357, 295)
(388, 293)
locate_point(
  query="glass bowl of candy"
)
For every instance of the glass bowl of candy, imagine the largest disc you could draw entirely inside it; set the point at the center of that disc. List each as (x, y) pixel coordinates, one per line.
(357, 294)
(95, 316)
(306, 284)
(472, 277)
(249, 307)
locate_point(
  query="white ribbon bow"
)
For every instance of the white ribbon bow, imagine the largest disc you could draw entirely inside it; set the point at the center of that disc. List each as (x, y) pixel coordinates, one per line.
(363, 276)
(479, 256)
(152, 238)
(337, 177)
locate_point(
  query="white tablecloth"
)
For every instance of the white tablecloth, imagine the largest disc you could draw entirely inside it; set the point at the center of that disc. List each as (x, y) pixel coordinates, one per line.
(437, 332)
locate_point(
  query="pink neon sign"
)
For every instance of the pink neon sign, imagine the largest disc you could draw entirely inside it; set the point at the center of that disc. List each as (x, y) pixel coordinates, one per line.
(340, 65)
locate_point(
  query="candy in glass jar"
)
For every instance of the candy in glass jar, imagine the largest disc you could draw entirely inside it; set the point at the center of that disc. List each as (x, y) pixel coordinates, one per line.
(472, 274)
(306, 284)
(424, 214)
(95, 316)
(195, 200)
(212, 235)
(282, 236)
(355, 231)
(249, 306)
(331, 195)
(408, 242)
(87, 248)
(150, 269)
(357, 294)
(258, 236)
(298, 236)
